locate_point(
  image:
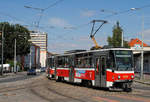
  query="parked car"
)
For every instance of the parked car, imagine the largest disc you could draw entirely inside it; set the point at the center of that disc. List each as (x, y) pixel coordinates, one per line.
(38, 70)
(43, 69)
(31, 72)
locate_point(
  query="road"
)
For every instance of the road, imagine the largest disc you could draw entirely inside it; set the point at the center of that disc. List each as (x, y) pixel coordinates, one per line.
(17, 77)
(41, 89)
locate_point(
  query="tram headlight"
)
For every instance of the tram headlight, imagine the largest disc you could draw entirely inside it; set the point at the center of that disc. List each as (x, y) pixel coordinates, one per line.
(118, 76)
(132, 76)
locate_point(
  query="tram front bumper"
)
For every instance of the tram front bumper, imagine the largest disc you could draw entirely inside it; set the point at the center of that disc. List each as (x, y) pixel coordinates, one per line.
(123, 84)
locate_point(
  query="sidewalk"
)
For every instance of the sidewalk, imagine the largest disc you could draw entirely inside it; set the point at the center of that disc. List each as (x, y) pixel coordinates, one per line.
(145, 80)
(10, 74)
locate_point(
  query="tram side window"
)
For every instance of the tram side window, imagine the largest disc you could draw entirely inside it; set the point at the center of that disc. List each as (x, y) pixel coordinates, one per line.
(110, 61)
(88, 62)
(84, 62)
(103, 66)
(63, 61)
(60, 62)
(66, 61)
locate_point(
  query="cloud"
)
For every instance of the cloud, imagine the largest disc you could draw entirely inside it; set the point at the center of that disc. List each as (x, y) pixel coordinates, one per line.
(59, 22)
(88, 13)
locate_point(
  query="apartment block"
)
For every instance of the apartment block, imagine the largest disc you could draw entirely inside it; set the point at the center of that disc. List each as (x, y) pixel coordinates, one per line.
(40, 39)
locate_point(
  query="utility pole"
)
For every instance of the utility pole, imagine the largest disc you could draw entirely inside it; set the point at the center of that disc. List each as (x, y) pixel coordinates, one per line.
(1, 71)
(142, 51)
(122, 39)
(15, 70)
(30, 58)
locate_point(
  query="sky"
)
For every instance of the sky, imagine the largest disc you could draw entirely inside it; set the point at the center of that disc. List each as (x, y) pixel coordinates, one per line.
(67, 22)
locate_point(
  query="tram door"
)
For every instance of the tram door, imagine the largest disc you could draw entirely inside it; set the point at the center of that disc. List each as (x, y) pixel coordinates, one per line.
(71, 70)
(100, 73)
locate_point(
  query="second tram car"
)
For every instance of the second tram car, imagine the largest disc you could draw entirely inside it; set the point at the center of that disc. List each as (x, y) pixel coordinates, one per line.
(110, 68)
(50, 71)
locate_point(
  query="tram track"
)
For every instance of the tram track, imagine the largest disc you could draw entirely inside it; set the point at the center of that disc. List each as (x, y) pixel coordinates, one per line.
(70, 97)
(45, 95)
(26, 85)
(40, 95)
(17, 87)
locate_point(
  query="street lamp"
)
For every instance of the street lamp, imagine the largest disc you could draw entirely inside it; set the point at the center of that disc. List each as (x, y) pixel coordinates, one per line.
(142, 51)
(3, 26)
(40, 16)
(15, 70)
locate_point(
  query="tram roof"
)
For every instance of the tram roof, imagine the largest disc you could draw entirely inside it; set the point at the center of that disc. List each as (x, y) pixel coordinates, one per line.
(90, 51)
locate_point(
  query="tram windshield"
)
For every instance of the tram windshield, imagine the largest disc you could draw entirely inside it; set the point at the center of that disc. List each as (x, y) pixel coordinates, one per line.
(123, 60)
(50, 62)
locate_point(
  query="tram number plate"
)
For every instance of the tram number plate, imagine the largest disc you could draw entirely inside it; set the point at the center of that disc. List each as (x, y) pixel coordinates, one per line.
(125, 76)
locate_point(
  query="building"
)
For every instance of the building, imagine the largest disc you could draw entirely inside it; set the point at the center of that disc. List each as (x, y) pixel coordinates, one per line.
(136, 46)
(32, 59)
(135, 42)
(40, 39)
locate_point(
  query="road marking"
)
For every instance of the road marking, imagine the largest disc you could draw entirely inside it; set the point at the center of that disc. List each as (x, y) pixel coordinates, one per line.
(101, 99)
(134, 98)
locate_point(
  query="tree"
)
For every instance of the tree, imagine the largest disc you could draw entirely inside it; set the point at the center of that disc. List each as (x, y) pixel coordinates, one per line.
(22, 36)
(115, 40)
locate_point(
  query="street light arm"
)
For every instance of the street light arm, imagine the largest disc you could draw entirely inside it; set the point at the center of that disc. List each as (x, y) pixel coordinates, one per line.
(34, 8)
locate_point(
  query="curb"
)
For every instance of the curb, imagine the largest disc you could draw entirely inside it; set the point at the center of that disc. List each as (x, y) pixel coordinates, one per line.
(10, 74)
(142, 82)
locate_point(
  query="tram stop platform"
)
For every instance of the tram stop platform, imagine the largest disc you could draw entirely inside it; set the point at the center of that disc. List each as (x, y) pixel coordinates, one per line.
(144, 80)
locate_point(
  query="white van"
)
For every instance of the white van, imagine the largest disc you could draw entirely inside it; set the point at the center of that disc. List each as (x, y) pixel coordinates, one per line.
(6, 67)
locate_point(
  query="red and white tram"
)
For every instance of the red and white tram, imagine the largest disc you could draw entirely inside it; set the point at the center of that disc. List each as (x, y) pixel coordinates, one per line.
(50, 71)
(110, 68)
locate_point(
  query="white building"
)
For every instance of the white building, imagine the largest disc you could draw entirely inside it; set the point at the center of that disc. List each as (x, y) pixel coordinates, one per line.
(40, 39)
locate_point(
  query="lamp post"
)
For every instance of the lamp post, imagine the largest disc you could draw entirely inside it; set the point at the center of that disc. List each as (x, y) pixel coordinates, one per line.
(142, 50)
(30, 63)
(122, 39)
(1, 71)
(15, 70)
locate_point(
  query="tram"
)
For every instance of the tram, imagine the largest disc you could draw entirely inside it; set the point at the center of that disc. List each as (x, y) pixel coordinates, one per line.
(111, 68)
(50, 71)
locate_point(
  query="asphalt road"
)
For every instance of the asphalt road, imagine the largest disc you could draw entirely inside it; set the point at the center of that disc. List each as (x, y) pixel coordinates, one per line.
(40, 89)
(17, 77)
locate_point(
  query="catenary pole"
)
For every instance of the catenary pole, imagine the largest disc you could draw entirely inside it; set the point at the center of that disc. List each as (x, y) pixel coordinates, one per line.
(3, 27)
(15, 70)
(142, 51)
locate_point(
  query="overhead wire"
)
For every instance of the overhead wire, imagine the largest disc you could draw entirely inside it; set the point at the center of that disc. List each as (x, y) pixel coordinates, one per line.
(42, 10)
(125, 11)
(57, 2)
